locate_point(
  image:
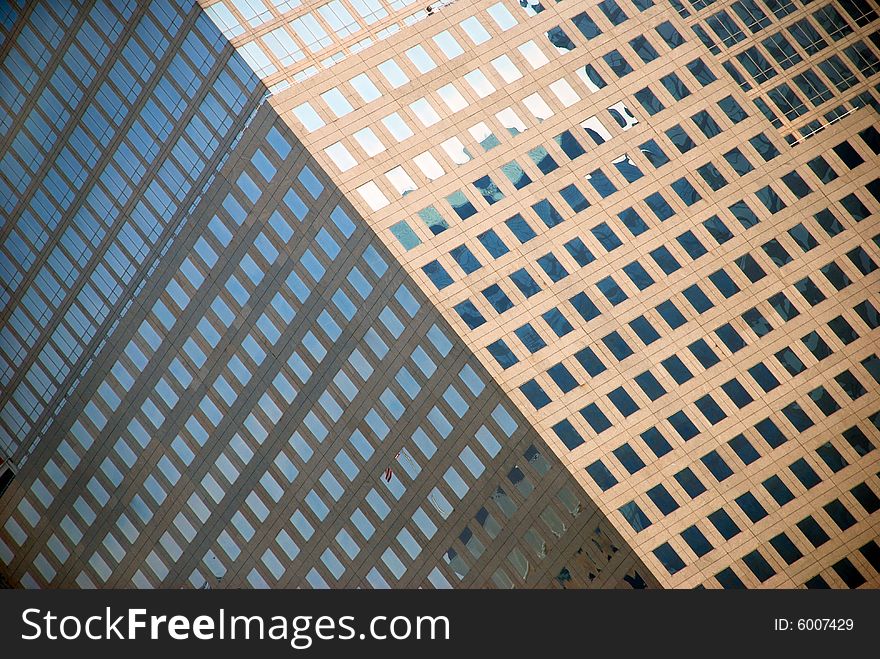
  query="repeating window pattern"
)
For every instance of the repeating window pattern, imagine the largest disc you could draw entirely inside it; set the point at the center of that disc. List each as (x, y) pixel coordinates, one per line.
(281, 367)
(296, 41)
(526, 252)
(88, 227)
(820, 50)
(736, 246)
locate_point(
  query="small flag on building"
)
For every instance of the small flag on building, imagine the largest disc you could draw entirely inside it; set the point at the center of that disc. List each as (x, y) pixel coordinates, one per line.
(389, 473)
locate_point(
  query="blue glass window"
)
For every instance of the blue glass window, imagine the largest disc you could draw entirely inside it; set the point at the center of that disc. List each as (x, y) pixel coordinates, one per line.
(649, 101)
(664, 258)
(590, 362)
(704, 354)
(677, 369)
(730, 337)
(675, 86)
(579, 252)
(524, 282)
(683, 425)
(595, 418)
(569, 145)
(706, 123)
(530, 338)
(552, 267)
(725, 285)
(606, 236)
(680, 138)
(618, 347)
(469, 314)
(562, 377)
(696, 541)
(686, 191)
(670, 313)
(701, 72)
(520, 228)
(717, 229)
(632, 221)
(744, 214)
(629, 458)
(644, 330)
(635, 516)
(601, 183)
(557, 322)
(617, 63)
(516, 175)
(732, 109)
(497, 298)
(567, 434)
(638, 275)
(586, 25)
(724, 524)
(600, 474)
(611, 290)
(490, 191)
(535, 394)
(659, 206)
(655, 441)
(437, 274)
(613, 12)
(650, 385)
(655, 155)
(585, 306)
(643, 48)
(691, 244)
(716, 466)
(493, 244)
(661, 498)
(461, 205)
(574, 198)
(502, 354)
(737, 393)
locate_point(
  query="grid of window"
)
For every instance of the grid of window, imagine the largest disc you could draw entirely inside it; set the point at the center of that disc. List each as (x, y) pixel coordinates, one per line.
(657, 278)
(291, 359)
(545, 261)
(89, 225)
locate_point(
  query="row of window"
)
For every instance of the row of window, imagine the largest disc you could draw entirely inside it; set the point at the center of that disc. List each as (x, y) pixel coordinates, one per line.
(605, 236)
(847, 572)
(666, 261)
(223, 390)
(677, 369)
(312, 29)
(649, 384)
(815, 126)
(788, 550)
(727, 28)
(276, 47)
(774, 488)
(602, 233)
(572, 148)
(99, 239)
(812, 86)
(807, 42)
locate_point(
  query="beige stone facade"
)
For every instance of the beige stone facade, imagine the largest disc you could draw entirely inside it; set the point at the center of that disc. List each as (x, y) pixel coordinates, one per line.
(440, 122)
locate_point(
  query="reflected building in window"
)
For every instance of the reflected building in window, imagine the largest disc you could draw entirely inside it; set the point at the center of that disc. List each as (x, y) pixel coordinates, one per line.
(496, 294)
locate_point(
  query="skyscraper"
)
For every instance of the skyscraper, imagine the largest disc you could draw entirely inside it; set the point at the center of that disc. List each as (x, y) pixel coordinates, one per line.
(485, 294)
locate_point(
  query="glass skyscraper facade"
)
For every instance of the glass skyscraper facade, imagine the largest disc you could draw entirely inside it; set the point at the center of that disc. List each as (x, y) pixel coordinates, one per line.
(483, 294)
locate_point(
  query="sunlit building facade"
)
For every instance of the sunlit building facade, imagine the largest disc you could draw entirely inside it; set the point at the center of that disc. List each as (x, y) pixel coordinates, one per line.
(363, 293)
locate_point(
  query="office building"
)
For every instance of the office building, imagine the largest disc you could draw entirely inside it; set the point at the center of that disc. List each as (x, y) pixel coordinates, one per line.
(488, 294)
